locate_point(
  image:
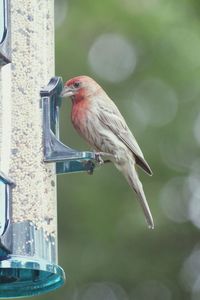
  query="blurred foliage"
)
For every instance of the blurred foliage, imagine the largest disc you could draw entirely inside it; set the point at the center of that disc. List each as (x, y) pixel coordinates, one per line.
(103, 237)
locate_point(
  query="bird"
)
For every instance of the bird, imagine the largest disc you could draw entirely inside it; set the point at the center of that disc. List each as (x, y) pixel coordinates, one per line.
(98, 120)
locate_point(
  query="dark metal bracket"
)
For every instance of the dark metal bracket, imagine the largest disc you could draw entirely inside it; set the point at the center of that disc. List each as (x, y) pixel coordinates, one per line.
(67, 160)
(5, 49)
(6, 186)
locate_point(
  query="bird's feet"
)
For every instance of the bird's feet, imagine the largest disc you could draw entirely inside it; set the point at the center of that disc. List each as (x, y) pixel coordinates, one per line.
(107, 157)
(99, 160)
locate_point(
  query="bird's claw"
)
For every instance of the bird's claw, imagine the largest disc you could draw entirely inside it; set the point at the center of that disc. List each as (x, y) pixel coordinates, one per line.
(98, 158)
(99, 161)
(107, 157)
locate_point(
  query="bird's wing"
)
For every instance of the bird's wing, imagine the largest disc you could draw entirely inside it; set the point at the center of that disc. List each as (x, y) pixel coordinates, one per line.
(110, 117)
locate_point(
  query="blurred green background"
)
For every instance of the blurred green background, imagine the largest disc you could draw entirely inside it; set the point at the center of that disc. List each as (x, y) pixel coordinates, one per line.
(146, 55)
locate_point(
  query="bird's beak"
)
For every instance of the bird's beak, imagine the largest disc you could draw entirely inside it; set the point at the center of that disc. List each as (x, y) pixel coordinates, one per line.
(67, 92)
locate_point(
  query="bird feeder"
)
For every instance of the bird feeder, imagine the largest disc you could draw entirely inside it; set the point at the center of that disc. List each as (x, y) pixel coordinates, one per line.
(28, 207)
(5, 51)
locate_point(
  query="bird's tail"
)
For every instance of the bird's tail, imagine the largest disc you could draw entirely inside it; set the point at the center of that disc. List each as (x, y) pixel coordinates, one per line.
(131, 176)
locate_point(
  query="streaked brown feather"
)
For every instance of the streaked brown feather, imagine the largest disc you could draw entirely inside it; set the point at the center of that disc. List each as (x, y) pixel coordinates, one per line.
(111, 117)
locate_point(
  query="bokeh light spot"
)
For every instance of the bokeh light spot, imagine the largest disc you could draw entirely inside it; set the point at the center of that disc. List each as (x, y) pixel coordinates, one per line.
(102, 290)
(174, 199)
(190, 272)
(155, 102)
(151, 290)
(194, 208)
(176, 155)
(112, 57)
(193, 183)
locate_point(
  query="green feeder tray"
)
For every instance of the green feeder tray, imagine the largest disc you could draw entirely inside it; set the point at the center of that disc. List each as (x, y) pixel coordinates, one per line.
(28, 255)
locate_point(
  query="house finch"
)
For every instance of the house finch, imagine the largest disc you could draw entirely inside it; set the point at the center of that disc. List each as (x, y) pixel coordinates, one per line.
(98, 120)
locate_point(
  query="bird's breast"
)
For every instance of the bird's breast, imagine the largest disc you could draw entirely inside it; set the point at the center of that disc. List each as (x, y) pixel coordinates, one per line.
(79, 115)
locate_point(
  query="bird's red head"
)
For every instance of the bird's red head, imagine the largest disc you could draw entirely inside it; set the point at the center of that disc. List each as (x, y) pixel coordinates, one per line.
(80, 88)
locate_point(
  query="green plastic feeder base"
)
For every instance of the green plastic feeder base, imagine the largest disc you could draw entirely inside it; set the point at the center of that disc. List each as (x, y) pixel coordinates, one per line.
(22, 277)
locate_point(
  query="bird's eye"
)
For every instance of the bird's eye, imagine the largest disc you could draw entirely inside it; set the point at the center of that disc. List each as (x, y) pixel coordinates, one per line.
(76, 84)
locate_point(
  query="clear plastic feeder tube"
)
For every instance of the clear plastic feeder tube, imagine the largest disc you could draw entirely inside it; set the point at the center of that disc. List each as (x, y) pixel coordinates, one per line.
(28, 247)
